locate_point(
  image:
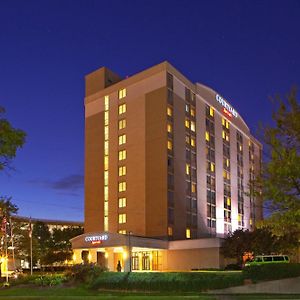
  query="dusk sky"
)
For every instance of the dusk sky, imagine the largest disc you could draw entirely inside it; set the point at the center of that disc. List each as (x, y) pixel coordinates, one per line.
(245, 50)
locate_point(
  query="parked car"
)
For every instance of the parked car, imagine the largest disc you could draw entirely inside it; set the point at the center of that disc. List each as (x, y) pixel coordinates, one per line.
(267, 259)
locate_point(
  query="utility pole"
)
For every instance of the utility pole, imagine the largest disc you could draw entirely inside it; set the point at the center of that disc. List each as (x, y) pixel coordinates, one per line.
(30, 236)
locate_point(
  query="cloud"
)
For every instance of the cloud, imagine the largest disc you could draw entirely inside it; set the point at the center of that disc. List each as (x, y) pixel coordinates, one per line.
(69, 183)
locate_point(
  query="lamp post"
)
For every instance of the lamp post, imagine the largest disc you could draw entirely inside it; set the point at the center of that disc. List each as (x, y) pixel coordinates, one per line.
(129, 249)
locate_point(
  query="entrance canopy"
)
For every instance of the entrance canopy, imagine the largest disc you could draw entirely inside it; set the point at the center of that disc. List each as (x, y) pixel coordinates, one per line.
(106, 240)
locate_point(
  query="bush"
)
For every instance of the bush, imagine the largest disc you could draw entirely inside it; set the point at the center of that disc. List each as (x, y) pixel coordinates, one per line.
(50, 280)
(271, 271)
(196, 281)
(84, 273)
(233, 267)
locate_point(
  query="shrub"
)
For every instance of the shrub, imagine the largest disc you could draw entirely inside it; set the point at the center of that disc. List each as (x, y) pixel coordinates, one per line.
(193, 281)
(50, 280)
(271, 271)
(84, 273)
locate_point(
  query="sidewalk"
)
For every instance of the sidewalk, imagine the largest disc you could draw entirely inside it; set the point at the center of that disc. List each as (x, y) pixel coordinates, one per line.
(282, 286)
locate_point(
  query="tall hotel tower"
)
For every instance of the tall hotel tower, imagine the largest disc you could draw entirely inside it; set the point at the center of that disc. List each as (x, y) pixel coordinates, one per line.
(166, 158)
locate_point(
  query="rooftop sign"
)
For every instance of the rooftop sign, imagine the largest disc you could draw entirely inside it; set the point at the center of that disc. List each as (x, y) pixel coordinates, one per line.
(96, 239)
(227, 109)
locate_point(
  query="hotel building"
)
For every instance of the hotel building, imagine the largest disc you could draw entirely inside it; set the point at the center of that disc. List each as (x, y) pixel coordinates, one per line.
(167, 169)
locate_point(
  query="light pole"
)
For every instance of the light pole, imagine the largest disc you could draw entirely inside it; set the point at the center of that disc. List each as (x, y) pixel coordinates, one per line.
(129, 249)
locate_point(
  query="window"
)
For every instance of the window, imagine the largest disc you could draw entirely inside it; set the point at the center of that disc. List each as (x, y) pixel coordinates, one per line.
(228, 201)
(212, 167)
(193, 126)
(170, 231)
(207, 136)
(122, 93)
(211, 111)
(105, 162)
(187, 123)
(169, 111)
(193, 142)
(193, 112)
(170, 145)
(122, 124)
(106, 133)
(169, 128)
(106, 102)
(122, 109)
(106, 118)
(122, 231)
(122, 154)
(106, 148)
(122, 139)
(188, 233)
(105, 177)
(122, 186)
(193, 187)
(122, 202)
(122, 170)
(106, 193)
(187, 169)
(187, 108)
(122, 218)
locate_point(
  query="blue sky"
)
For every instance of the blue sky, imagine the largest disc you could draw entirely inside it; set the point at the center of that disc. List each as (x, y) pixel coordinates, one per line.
(246, 50)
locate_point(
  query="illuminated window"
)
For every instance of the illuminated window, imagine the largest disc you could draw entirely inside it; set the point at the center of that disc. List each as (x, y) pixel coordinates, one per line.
(193, 142)
(227, 137)
(211, 111)
(224, 174)
(122, 139)
(169, 128)
(105, 223)
(170, 145)
(193, 187)
(122, 109)
(122, 202)
(239, 217)
(122, 124)
(106, 133)
(187, 139)
(105, 162)
(193, 112)
(169, 111)
(122, 154)
(122, 93)
(193, 127)
(188, 233)
(187, 109)
(122, 218)
(105, 177)
(122, 186)
(122, 231)
(122, 170)
(187, 169)
(212, 167)
(105, 193)
(223, 135)
(170, 231)
(187, 123)
(106, 148)
(106, 102)
(251, 222)
(227, 162)
(106, 118)
(241, 148)
(228, 201)
(223, 121)
(227, 124)
(207, 135)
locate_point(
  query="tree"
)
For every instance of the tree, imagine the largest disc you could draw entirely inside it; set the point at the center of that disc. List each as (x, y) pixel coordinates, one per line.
(280, 178)
(258, 242)
(11, 140)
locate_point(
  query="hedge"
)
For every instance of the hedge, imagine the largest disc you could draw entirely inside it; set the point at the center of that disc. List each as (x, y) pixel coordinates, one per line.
(194, 281)
(271, 271)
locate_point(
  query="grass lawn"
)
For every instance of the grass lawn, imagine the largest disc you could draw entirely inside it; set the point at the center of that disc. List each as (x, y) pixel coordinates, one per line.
(78, 293)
